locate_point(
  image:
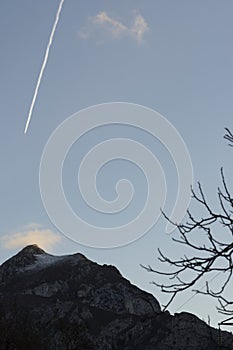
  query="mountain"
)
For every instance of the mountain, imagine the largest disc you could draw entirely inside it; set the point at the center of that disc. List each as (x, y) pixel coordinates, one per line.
(71, 303)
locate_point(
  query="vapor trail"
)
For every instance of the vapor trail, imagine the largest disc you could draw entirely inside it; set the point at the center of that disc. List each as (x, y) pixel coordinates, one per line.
(194, 295)
(44, 64)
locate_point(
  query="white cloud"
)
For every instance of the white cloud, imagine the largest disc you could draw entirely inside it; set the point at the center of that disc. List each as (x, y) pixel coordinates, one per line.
(102, 21)
(116, 28)
(139, 28)
(30, 234)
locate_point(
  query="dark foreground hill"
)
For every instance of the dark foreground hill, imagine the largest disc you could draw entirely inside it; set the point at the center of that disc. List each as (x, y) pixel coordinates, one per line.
(70, 302)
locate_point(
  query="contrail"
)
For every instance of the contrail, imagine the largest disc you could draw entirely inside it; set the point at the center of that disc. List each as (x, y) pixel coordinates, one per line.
(193, 296)
(44, 64)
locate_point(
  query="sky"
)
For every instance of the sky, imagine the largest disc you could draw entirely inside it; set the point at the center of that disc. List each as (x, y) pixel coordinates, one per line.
(174, 57)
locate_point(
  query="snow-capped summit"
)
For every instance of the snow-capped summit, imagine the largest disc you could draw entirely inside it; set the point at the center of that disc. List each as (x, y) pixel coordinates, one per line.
(26, 258)
(33, 257)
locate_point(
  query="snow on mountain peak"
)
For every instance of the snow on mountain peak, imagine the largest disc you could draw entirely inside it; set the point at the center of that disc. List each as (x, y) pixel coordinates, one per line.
(33, 257)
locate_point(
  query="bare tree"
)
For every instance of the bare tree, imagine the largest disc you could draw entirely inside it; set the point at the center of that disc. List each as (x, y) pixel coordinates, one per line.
(214, 253)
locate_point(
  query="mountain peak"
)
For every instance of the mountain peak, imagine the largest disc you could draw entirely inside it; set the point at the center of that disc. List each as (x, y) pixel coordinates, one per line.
(33, 257)
(32, 249)
(24, 259)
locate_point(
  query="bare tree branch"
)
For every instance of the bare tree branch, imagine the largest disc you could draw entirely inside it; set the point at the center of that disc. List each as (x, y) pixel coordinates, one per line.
(229, 136)
(215, 255)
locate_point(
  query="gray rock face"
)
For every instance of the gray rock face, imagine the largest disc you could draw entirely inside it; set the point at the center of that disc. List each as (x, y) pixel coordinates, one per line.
(70, 302)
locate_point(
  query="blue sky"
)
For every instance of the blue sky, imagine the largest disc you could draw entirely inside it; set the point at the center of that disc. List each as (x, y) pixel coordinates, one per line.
(177, 61)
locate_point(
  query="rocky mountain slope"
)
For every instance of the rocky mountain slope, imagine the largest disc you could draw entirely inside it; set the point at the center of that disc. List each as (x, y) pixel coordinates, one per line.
(69, 302)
